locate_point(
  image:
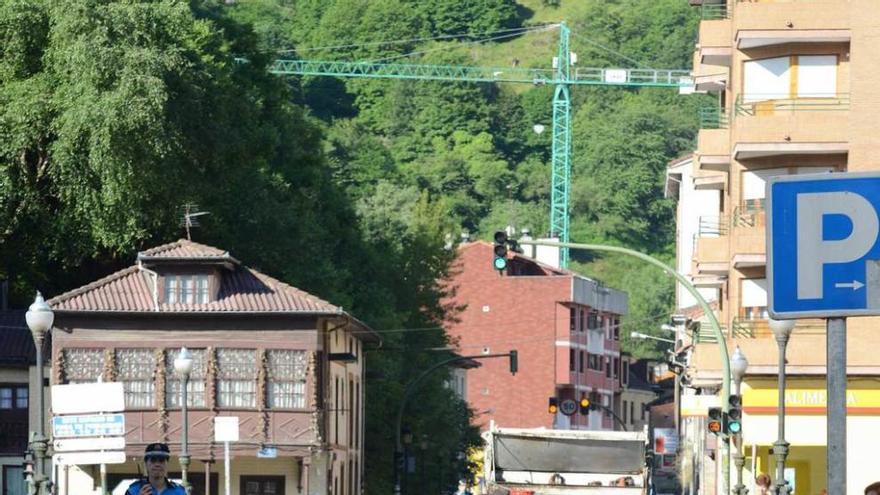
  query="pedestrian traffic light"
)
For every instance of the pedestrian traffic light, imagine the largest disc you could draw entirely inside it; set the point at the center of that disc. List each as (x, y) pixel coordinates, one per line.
(514, 362)
(584, 406)
(553, 405)
(734, 415)
(500, 251)
(716, 420)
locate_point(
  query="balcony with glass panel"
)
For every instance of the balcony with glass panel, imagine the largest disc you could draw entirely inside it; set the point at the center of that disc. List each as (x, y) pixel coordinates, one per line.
(792, 104)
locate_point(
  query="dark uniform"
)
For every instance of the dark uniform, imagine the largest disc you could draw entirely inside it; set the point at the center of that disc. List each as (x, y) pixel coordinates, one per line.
(156, 450)
(171, 488)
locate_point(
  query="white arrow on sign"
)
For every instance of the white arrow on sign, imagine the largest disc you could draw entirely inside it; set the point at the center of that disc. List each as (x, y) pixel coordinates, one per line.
(854, 285)
(80, 458)
(78, 444)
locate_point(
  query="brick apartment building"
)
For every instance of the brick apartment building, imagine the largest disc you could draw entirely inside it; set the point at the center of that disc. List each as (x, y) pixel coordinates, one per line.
(565, 327)
(796, 84)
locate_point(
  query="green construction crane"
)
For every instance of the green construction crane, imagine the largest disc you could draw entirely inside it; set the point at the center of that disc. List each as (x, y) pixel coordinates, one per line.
(562, 76)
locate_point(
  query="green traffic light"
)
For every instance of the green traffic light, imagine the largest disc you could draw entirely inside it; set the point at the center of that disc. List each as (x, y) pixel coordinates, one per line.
(734, 427)
(500, 263)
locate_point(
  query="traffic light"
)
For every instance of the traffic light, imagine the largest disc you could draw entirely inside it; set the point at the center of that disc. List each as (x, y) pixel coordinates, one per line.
(716, 420)
(553, 405)
(734, 415)
(500, 251)
(584, 406)
(514, 362)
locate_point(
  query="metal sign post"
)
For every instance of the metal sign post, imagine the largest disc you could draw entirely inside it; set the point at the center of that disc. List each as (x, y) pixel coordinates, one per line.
(823, 260)
(226, 430)
(835, 337)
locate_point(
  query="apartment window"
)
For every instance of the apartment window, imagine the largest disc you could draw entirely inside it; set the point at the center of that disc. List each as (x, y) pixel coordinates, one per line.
(771, 78)
(625, 375)
(614, 364)
(583, 319)
(624, 412)
(593, 362)
(571, 365)
(593, 320)
(287, 379)
(13, 397)
(615, 328)
(642, 406)
(186, 289)
(632, 415)
(581, 361)
(83, 365)
(135, 369)
(236, 378)
(195, 388)
(572, 319)
(607, 367)
(754, 298)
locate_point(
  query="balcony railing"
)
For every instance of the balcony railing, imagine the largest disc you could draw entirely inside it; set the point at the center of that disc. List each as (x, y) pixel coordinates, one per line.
(746, 328)
(715, 11)
(749, 214)
(755, 104)
(714, 118)
(712, 226)
(704, 334)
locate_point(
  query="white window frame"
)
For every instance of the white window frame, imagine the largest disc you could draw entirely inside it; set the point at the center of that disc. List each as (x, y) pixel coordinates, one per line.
(135, 368)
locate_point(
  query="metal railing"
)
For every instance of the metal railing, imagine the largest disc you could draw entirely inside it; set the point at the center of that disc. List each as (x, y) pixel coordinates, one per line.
(756, 104)
(715, 11)
(714, 118)
(705, 335)
(755, 328)
(712, 226)
(749, 214)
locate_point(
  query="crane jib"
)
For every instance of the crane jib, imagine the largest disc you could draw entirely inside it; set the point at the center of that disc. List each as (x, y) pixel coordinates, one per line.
(579, 76)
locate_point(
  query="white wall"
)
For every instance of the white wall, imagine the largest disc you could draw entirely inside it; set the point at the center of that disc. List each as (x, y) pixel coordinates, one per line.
(692, 204)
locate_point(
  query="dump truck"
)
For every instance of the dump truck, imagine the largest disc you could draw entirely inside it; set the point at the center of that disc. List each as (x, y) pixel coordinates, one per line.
(538, 461)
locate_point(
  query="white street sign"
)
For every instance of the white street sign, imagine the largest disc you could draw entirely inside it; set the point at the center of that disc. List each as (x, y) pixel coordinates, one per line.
(226, 429)
(87, 398)
(615, 75)
(79, 444)
(93, 425)
(823, 254)
(81, 458)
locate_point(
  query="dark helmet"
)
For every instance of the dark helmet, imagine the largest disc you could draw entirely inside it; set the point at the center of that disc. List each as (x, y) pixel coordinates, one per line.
(157, 451)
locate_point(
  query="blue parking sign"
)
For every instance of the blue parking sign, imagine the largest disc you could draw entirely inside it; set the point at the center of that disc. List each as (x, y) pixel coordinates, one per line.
(823, 255)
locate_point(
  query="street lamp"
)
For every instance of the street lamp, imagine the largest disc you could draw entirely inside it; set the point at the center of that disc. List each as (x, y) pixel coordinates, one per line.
(183, 365)
(640, 335)
(39, 319)
(738, 366)
(782, 331)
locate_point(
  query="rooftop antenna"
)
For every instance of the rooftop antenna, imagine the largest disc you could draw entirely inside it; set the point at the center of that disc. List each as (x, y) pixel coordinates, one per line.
(190, 218)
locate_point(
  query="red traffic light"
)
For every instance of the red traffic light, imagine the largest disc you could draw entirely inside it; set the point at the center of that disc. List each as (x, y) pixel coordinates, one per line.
(714, 426)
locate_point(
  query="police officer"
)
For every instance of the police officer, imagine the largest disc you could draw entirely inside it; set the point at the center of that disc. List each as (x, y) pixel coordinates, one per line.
(156, 457)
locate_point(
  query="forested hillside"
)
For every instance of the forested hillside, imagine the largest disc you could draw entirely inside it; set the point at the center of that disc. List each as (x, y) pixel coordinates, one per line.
(113, 114)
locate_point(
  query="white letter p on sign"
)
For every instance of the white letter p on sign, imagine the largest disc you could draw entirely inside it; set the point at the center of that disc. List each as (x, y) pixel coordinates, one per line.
(814, 252)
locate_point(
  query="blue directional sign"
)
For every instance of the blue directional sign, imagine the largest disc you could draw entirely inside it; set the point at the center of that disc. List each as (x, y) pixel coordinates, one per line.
(92, 425)
(823, 254)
